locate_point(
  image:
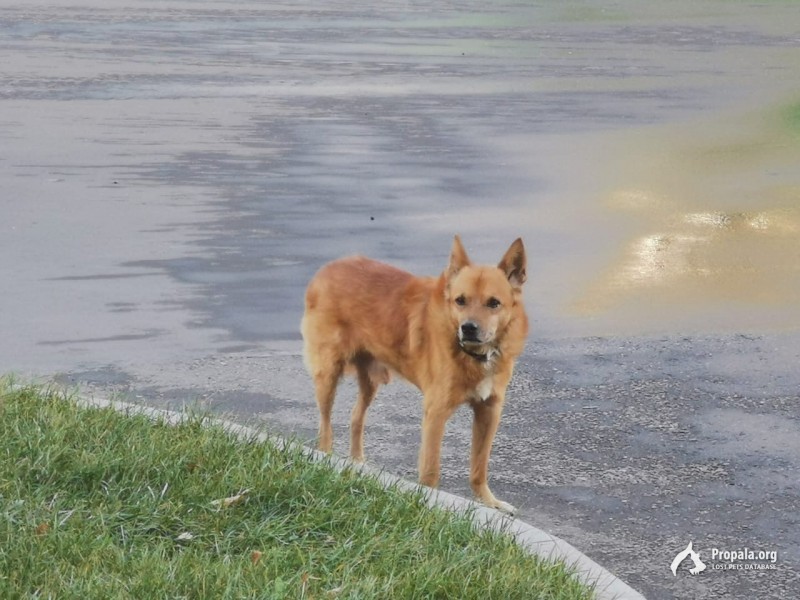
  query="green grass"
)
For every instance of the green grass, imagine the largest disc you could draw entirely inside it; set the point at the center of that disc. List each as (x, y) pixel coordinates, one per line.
(791, 117)
(95, 504)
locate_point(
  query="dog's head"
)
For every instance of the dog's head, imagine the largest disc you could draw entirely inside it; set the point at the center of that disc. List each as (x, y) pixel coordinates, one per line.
(481, 299)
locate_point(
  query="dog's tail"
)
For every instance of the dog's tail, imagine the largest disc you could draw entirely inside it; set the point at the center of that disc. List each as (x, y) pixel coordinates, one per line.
(304, 331)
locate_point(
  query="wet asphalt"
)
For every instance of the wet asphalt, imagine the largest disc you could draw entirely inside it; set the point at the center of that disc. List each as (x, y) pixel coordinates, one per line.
(173, 175)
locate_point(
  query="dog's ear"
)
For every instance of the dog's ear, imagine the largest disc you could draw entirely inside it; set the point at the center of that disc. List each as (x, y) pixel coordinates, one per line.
(514, 263)
(458, 258)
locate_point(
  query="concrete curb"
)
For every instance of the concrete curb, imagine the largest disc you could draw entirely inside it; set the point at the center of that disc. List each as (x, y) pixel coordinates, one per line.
(607, 586)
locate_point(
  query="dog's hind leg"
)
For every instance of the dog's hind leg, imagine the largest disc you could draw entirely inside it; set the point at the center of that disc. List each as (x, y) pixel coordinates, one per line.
(370, 375)
(325, 382)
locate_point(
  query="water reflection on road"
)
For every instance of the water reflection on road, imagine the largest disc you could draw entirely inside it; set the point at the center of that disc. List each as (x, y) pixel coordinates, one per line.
(643, 150)
(712, 217)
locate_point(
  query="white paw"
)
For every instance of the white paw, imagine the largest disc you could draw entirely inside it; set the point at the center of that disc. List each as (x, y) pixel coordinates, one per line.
(505, 507)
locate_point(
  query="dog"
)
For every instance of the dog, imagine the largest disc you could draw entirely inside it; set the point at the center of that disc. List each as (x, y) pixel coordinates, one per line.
(456, 337)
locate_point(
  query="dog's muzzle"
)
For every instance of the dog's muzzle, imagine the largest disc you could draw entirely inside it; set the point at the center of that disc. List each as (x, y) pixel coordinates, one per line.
(469, 333)
(469, 339)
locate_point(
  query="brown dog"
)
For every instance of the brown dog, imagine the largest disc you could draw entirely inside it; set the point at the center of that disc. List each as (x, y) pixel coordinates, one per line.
(455, 337)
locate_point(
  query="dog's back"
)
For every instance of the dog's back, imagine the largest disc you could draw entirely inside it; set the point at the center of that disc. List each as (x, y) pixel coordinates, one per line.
(354, 307)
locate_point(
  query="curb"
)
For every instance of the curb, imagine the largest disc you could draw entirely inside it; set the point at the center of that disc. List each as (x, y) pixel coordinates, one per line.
(607, 586)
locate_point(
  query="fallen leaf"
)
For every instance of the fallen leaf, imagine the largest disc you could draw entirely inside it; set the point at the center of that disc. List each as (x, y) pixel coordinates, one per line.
(335, 591)
(255, 556)
(231, 500)
(42, 528)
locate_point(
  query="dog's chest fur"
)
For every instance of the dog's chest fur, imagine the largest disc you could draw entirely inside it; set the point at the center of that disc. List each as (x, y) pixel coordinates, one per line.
(485, 385)
(483, 390)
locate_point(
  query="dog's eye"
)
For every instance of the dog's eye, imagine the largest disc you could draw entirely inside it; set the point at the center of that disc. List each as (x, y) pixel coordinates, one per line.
(493, 303)
(461, 300)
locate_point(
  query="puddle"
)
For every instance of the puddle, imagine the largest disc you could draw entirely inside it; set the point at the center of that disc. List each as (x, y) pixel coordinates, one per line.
(712, 213)
(644, 151)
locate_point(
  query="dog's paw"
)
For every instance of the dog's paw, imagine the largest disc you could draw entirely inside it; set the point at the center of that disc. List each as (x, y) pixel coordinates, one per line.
(505, 507)
(486, 497)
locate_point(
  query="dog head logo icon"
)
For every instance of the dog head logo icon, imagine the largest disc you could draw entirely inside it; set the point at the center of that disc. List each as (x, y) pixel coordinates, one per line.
(699, 565)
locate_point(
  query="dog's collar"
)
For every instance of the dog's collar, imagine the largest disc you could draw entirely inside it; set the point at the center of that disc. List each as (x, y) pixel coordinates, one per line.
(484, 358)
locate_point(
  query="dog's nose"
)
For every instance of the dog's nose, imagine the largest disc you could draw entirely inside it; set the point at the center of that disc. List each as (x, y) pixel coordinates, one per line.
(469, 331)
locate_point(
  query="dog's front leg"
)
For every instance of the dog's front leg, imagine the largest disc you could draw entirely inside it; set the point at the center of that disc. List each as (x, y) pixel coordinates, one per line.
(435, 416)
(484, 426)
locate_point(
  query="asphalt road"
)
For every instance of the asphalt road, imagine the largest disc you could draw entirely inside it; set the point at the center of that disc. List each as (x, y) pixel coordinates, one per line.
(173, 174)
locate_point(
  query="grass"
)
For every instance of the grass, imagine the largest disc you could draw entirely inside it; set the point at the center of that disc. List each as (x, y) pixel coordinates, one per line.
(96, 504)
(791, 117)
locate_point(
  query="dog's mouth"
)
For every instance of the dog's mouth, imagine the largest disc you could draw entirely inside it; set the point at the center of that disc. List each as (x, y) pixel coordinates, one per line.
(481, 351)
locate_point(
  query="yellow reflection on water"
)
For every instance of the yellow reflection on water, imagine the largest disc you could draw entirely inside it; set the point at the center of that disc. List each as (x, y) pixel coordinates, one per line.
(713, 218)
